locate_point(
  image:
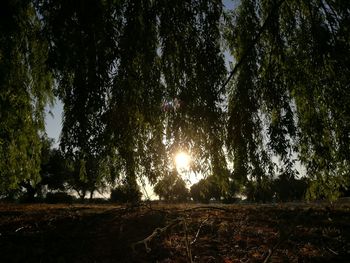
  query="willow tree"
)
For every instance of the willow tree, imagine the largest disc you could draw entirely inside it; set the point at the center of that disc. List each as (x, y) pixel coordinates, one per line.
(292, 62)
(117, 62)
(244, 140)
(82, 37)
(134, 119)
(168, 52)
(25, 88)
(321, 92)
(192, 71)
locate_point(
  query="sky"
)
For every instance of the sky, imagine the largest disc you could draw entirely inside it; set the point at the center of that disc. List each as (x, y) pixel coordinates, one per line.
(53, 121)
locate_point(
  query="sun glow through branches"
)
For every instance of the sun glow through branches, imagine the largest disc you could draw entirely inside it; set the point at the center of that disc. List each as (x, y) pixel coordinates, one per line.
(182, 161)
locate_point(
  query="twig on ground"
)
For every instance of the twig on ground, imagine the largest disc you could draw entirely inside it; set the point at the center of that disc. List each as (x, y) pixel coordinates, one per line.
(331, 250)
(271, 251)
(199, 229)
(157, 232)
(206, 207)
(188, 246)
(148, 206)
(284, 237)
(19, 229)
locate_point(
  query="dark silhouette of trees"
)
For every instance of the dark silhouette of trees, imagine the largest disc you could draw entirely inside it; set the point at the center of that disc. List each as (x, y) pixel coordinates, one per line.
(143, 80)
(172, 188)
(124, 194)
(289, 188)
(206, 190)
(55, 169)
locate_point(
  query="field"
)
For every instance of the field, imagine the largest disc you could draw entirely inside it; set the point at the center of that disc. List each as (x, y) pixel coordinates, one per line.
(175, 233)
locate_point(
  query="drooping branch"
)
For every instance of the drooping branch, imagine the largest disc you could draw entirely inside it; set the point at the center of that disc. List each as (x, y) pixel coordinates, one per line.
(251, 46)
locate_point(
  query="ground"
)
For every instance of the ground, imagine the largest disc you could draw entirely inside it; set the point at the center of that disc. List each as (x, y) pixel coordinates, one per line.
(175, 233)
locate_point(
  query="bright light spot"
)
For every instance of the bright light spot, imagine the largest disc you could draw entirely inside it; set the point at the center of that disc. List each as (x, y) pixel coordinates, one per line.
(182, 161)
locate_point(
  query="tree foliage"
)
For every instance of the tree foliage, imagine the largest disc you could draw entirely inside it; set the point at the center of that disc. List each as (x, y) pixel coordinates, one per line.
(284, 98)
(124, 194)
(115, 63)
(206, 190)
(25, 88)
(116, 68)
(171, 188)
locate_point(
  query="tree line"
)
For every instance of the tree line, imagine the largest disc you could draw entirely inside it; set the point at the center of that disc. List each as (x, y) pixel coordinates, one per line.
(142, 80)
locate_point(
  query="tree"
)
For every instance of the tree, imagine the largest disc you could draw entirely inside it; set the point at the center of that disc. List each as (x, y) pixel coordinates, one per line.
(123, 194)
(171, 188)
(284, 95)
(142, 80)
(55, 170)
(193, 69)
(251, 159)
(25, 89)
(205, 190)
(55, 173)
(131, 57)
(82, 55)
(134, 120)
(288, 187)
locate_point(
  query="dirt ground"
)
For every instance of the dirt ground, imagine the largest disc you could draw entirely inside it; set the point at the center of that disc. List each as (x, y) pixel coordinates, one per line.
(175, 233)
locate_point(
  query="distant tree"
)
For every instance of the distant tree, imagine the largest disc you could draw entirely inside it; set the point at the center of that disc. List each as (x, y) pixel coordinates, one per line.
(233, 189)
(88, 176)
(259, 191)
(171, 188)
(345, 191)
(59, 197)
(180, 191)
(54, 172)
(301, 186)
(124, 194)
(287, 187)
(200, 191)
(205, 190)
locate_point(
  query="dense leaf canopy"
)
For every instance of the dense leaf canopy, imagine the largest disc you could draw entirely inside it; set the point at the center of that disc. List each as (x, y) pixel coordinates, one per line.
(290, 96)
(143, 80)
(25, 88)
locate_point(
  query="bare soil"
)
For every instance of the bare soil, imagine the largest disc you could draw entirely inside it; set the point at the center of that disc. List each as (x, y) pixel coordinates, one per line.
(175, 233)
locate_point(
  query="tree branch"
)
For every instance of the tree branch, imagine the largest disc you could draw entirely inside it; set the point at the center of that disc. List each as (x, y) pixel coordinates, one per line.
(251, 46)
(157, 232)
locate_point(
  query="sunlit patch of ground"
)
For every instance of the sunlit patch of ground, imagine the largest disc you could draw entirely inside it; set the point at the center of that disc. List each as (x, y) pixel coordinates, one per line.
(220, 233)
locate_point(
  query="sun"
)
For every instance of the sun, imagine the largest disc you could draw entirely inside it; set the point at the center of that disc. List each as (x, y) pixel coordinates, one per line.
(182, 161)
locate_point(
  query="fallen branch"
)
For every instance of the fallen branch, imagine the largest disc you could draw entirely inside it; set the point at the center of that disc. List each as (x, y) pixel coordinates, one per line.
(188, 245)
(206, 207)
(285, 236)
(199, 229)
(19, 229)
(157, 232)
(271, 251)
(331, 250)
